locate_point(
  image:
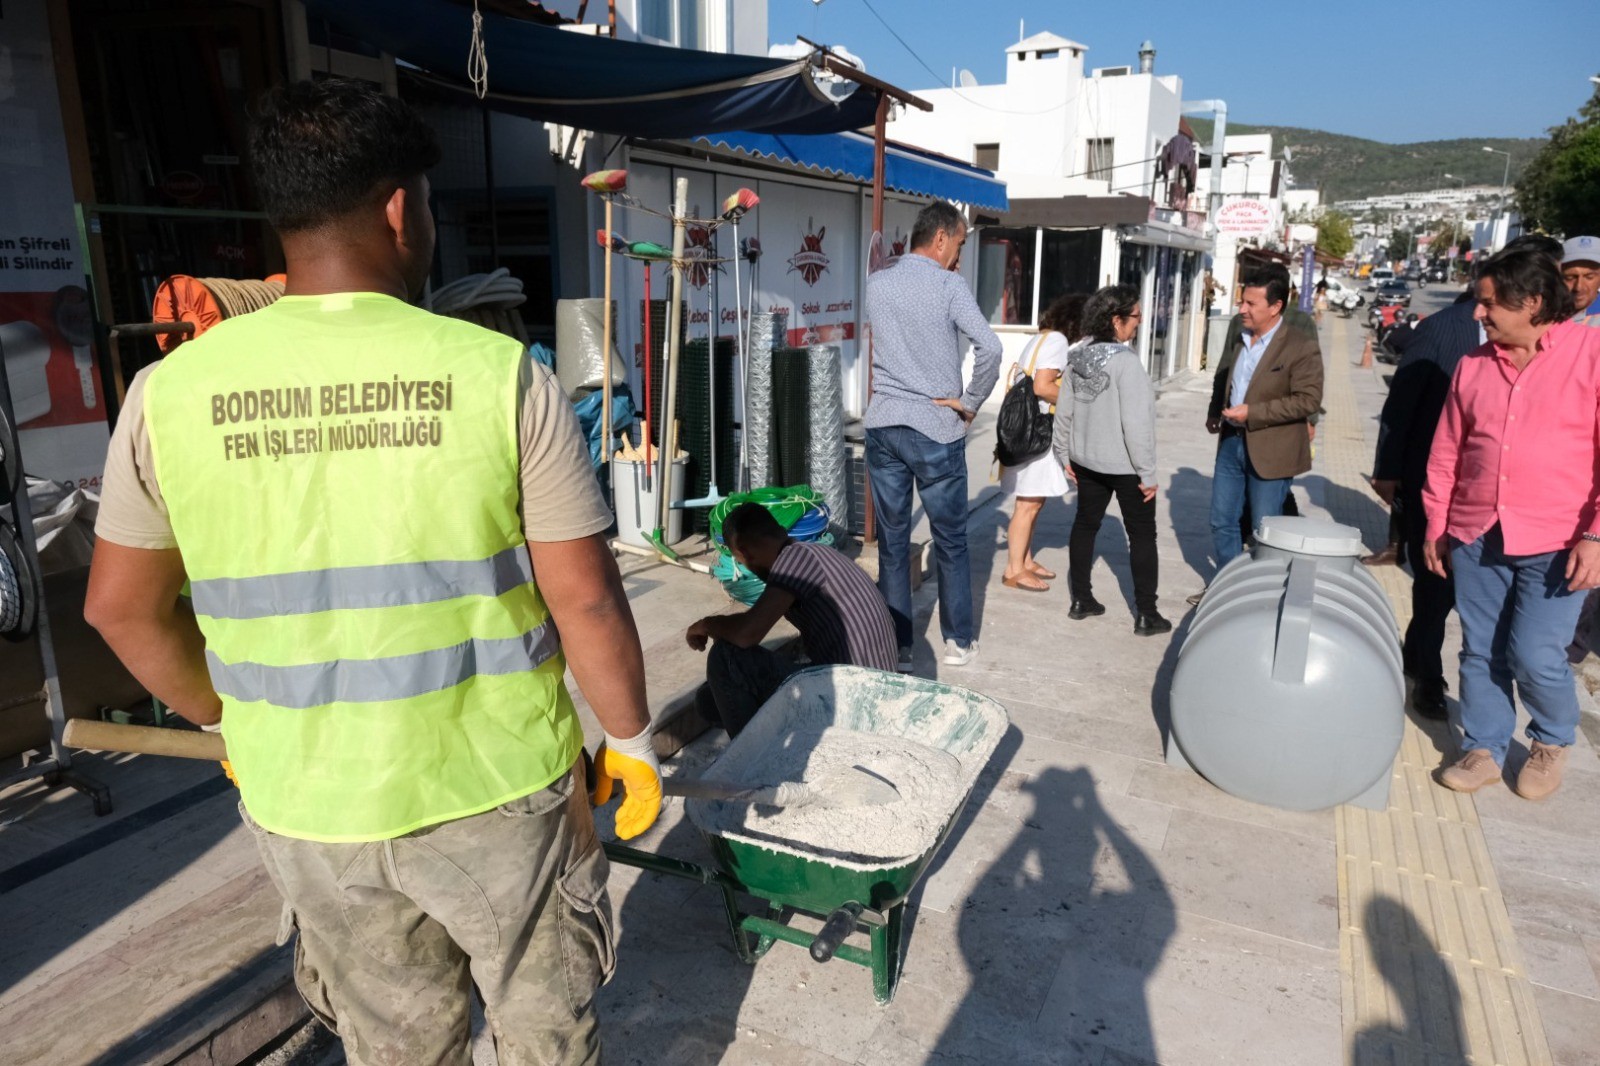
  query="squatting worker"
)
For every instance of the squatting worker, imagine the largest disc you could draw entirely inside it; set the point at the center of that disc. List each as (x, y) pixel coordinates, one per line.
(838, 611)
(918, 417)
(1511, 498)
(1274, 389)
(382, 610)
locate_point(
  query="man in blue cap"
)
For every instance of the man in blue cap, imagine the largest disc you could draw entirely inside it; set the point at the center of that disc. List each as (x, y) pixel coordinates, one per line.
(1580, 269)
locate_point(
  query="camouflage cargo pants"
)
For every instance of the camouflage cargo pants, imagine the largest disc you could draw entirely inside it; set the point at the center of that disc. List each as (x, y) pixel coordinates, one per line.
(395, 934)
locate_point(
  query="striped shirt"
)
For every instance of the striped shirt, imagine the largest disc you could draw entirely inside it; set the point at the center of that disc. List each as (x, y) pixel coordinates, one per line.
(839, 612)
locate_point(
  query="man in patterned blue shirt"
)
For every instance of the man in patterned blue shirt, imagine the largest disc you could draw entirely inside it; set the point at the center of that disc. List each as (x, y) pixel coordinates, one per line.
(918, 418)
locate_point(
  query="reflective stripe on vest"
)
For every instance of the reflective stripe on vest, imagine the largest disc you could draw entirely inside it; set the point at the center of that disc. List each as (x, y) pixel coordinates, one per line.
(344, 588)
(399, 677)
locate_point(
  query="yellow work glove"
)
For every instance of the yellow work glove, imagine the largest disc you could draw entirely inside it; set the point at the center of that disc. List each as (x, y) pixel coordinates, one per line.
(633, 762)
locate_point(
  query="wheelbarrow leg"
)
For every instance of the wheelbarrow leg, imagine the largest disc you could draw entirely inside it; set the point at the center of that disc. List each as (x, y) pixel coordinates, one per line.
(741, 938)
(886, 953)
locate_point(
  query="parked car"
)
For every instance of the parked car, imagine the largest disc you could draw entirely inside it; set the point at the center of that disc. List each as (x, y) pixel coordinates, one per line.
(1393, 291)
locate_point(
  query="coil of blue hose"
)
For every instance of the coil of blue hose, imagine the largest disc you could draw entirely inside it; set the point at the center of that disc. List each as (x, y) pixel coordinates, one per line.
(812, 525)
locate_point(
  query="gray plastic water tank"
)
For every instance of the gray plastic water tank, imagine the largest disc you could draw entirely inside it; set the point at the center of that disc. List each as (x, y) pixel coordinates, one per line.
(1289, 688)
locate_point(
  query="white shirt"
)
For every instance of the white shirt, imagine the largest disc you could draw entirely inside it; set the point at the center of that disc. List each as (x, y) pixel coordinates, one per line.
(1244, 368)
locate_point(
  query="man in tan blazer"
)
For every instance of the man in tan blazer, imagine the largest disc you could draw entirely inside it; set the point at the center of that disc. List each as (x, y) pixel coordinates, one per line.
(1273, 388)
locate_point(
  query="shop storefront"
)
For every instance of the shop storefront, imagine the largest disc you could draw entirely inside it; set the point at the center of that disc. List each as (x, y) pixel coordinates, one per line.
(1041, 249)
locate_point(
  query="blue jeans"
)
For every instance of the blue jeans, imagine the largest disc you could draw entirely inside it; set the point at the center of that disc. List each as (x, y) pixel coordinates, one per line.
(1233, 480)
(1517, 618)
(898, 460)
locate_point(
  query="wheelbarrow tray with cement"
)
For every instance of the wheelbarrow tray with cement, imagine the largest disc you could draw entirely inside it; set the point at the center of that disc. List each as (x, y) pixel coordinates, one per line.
(849, 895)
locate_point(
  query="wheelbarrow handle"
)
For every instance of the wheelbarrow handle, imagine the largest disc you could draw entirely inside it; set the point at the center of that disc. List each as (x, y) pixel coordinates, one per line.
(840, 924)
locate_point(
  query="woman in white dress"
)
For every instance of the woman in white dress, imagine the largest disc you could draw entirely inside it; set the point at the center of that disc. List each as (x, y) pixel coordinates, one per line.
(1040, 478)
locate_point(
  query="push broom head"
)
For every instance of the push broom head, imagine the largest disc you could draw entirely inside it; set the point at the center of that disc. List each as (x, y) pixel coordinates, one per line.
(750, 248)
(611, 242)
(734, 207)
(606, 181)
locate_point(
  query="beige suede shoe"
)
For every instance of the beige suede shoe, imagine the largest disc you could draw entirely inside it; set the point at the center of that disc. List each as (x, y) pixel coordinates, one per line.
(1470, 772)
(1541, 774)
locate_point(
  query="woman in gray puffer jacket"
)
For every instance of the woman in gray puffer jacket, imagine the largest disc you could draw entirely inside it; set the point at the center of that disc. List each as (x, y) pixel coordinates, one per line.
(1105, 436)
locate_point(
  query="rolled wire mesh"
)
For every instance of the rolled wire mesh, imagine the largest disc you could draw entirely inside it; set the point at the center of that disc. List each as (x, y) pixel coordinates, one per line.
(825, 448)
(767, 330)
(791, 416)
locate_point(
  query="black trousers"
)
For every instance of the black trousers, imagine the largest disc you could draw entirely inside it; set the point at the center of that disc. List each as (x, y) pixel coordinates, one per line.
(1138, 518)
(1432, 597)
(738, 681)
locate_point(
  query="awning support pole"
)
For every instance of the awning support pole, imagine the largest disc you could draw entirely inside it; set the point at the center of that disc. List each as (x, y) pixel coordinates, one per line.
(879, 123)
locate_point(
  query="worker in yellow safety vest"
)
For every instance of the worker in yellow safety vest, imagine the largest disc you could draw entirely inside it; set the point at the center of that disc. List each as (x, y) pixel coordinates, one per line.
(393, 544)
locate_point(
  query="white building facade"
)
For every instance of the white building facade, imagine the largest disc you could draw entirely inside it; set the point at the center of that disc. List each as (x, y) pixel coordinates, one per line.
(1080, 150)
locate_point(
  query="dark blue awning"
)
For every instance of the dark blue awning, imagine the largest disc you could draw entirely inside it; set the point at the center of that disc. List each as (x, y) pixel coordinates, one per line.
(905, 169)
(596, 83)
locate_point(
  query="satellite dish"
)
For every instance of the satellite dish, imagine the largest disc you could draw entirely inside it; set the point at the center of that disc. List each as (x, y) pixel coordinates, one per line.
(1288, 154)
(967, 79)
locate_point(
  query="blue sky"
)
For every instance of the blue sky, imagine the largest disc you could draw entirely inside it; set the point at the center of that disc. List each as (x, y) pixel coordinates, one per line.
(1319, 64)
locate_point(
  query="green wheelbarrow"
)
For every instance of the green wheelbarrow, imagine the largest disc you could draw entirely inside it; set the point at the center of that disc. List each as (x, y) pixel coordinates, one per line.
(849, 894)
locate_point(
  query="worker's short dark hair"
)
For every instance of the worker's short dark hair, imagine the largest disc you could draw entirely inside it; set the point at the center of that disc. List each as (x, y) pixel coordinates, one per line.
(320, 150)
(938, 217)
(751, 521)
(1274, 277)
(1520, 274)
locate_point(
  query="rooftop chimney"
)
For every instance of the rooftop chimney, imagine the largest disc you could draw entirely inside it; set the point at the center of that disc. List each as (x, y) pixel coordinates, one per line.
(1147, 58)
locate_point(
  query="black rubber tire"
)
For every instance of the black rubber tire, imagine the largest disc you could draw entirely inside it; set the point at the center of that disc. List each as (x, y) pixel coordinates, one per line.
(29, 580)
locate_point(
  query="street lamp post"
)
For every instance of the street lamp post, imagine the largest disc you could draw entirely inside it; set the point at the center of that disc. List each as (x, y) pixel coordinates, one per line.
(1504, 178)
(1455, 228)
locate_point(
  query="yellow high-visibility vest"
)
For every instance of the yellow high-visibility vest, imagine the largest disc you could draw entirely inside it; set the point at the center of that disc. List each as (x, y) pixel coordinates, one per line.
(342, 476)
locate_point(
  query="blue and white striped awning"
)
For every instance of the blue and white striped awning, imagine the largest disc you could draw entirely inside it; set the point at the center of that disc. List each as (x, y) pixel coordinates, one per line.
(849, 155)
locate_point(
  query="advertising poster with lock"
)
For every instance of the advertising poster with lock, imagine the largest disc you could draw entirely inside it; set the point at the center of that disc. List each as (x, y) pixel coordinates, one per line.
(46, 328)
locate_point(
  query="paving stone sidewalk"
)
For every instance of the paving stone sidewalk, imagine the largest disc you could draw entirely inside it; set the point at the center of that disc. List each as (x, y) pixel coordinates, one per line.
(1097, 906)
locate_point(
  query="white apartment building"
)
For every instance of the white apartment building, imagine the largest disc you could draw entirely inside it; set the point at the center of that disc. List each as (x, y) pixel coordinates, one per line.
(704, 25)
(1079, 149)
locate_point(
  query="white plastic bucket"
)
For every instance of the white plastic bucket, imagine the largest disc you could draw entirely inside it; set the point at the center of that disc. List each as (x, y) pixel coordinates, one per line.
(636, 497)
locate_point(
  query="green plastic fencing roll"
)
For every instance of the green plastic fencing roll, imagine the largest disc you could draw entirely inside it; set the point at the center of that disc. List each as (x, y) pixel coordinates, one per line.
(788, 506)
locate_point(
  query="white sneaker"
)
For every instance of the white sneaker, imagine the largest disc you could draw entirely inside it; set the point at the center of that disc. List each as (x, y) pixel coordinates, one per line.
(904, 664)
(956, 655)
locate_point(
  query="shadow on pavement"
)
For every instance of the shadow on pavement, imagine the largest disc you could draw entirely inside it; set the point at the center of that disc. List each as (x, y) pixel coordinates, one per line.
(988, 526)
(1354, 508)
(1189, 507)
(684, 1006)
(104, 868)
(1161, 685)
(1062, 931)
(1422, 985)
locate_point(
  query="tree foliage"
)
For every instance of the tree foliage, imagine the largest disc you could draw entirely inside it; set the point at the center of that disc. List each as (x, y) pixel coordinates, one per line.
(1559, 191)
(1450, 232)
(1399, 244)
(1333, 234)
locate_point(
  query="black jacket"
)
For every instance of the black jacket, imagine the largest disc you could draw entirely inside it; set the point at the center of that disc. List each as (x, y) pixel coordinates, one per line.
(1418, 392)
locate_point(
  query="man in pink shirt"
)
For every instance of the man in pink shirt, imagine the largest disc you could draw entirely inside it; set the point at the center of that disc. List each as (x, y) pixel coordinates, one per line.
(1511, 506)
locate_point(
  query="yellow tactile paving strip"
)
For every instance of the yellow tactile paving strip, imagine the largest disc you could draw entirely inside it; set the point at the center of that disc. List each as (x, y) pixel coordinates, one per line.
(1419, 905)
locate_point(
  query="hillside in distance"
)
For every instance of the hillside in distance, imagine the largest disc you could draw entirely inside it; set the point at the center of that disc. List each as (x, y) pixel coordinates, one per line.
(1353, 168)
